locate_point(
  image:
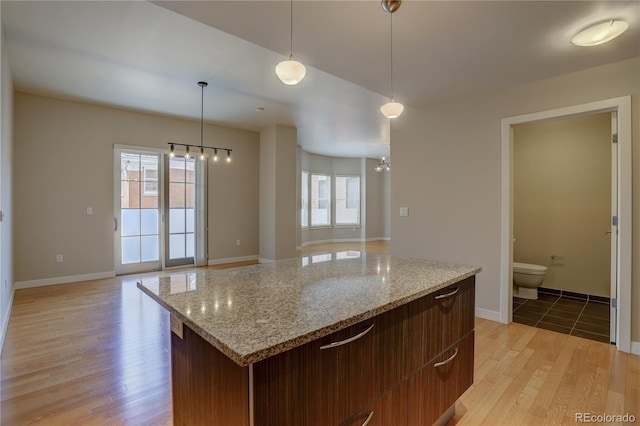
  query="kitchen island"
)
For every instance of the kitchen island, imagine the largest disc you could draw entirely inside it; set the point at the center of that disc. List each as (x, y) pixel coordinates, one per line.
(343, 339)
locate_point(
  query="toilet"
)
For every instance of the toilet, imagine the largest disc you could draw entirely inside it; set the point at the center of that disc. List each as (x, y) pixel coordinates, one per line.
(526, 279)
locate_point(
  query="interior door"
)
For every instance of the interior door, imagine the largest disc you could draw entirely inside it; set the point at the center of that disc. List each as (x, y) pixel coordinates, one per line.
(137, 211)
(613, 320)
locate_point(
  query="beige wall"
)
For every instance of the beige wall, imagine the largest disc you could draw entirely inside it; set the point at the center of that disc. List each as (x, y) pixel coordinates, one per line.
(64, 163)
(447, 170)
(278, 193)
(562, 201)
(6, 194)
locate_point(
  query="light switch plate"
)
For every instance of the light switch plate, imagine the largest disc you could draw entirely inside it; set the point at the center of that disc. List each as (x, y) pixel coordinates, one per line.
(89, 211)
(404, 211)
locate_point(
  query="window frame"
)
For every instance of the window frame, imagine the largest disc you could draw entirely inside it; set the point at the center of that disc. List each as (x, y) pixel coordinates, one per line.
(329, 200)
(335, 200)
(305, 203)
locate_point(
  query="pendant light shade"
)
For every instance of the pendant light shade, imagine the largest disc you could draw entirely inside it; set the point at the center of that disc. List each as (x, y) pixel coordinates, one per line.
(290, 72)
(600, 33)
(391, 109)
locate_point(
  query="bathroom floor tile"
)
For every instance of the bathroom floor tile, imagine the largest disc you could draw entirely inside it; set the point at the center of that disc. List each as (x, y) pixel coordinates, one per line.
(602, 312)
(591, 336)
(593, 328)
(548, 297)
(533, 310)
(564, 322)
(560, 313)
(539, 304)
(526, 320)
(569, 315)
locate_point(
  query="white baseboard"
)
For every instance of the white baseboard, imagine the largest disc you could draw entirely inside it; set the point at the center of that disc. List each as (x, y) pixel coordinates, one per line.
(487, 314)
(63, 280)
(343, 240)
(5, 320)
(635, 348)
(232, 260)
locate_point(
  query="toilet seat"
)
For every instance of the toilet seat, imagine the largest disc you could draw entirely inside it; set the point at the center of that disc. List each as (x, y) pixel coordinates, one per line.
(528, 268)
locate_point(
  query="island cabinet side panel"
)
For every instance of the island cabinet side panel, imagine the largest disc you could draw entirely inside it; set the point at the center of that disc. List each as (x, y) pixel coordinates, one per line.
(312, 386)
(208, 388)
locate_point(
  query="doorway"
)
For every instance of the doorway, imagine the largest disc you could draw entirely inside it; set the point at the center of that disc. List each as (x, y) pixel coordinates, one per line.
(160, 210)
(621, 217)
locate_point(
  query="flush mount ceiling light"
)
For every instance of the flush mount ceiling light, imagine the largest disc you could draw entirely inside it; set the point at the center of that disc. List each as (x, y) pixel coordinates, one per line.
(600, 33)
(383, 165)
(187, 154)
(391, 109)
(290, 72)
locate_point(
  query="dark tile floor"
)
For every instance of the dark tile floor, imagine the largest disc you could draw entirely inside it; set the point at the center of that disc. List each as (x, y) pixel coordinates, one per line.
(577, 317)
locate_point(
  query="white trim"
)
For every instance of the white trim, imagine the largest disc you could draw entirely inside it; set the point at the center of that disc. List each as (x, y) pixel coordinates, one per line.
(141, 149)
(378, 239)
(5, 321)
(63, 280)
(232, 260)
(635, 348)
(488, 314)
(623, 107)
(264, 260)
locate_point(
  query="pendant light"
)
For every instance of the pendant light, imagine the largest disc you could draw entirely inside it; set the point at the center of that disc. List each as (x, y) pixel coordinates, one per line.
(290, 72)
(203, 156)
(600, 33)
(391, 109)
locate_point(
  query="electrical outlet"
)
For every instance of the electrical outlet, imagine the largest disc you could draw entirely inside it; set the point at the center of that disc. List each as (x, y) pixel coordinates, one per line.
(89, 211)
(404, 211)
(58, 258)
(237, 242)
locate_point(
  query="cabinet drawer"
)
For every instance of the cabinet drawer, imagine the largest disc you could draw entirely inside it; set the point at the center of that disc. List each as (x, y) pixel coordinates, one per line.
(327, 380)
(439, 384)
(438, 320)
(390, 409)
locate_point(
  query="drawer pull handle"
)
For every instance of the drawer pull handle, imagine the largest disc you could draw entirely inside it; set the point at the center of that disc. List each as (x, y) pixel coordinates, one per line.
(366, 422)
(444, 296)
(345, 341)
(446, 361)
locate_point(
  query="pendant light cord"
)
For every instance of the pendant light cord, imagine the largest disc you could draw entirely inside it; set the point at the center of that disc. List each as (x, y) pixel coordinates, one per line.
(391, 64)
(291, 29)
(201, 116)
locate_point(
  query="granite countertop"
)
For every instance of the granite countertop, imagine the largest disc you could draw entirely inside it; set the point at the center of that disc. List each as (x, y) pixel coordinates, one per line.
(253, 312)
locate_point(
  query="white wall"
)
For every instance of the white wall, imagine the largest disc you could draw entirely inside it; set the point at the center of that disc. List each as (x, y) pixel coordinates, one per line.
(6, 193)
(447, 170)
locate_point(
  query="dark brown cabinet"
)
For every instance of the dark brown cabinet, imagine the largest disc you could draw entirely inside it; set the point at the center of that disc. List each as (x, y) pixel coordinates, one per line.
(406, 366)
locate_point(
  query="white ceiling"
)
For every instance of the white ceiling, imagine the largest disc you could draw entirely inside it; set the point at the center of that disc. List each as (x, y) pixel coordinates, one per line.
(146, 57)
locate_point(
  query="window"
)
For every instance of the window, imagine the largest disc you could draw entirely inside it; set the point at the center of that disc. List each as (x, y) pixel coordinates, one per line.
(304, 200)
(347, 200)
(150, 178)
(320, 200)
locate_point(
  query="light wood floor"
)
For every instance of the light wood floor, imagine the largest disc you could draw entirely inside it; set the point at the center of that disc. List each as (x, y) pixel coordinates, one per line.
(97, 353)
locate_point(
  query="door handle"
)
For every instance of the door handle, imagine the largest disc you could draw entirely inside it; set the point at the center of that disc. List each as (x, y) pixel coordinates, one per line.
(607, 233)
(115, 223)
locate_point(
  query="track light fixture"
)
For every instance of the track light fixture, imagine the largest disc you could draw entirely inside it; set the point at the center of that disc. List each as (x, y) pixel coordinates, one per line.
(202, 146)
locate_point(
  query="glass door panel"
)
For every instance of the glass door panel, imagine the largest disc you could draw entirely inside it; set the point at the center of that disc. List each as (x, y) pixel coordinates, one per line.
(138, 218)
(180, 229)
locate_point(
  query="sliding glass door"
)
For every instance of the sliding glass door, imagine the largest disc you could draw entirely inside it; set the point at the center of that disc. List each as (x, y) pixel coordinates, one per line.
(180, 192)
(137, 220)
